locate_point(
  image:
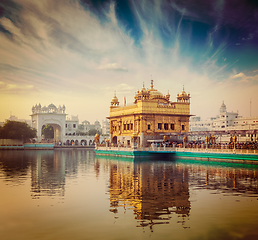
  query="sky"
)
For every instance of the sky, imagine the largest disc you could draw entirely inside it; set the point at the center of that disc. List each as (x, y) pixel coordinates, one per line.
(80, 53)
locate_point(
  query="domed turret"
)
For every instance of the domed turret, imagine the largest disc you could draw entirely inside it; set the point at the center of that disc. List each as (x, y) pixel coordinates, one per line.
(114, 101)
(51, 106)
(44, 109)
(154, 93)
(183, 96)
(168, 96)
(143, 90)
(183, 93)
(223, 108)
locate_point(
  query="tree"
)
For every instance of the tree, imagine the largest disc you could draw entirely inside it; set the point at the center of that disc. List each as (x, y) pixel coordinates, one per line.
(48, 131)
(92, 132)
(17, 130)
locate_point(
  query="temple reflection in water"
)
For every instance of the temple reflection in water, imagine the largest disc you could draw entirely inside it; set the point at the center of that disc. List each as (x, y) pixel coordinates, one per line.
(157, 190)
(154, 190)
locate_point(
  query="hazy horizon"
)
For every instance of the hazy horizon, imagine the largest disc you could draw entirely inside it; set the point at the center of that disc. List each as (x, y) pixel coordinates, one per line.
(78, 53)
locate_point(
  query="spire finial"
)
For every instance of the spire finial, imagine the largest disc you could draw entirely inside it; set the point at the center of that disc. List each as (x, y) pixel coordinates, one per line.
(151, 84)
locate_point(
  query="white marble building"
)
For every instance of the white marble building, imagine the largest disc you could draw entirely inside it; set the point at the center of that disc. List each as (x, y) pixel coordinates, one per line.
(227, 122)
(52, 115)
(105, 127)
(66, 129)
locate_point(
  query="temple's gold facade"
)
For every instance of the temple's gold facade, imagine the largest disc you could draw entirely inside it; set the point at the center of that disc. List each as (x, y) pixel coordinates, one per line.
(151, 117)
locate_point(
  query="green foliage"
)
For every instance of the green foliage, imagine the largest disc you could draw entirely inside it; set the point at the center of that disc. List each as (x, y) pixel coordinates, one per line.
(80, 127)
(81, 133)
(17, 130)
(92, 132)
(48, 132)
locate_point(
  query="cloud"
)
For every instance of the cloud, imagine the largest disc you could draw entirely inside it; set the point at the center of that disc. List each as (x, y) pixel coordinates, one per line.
(121, 89)
(66, 52)
(112, 66)
(243, 78)
(11, 88)
(239, 75)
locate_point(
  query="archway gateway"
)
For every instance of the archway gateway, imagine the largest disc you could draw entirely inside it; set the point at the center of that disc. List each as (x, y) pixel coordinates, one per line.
(51, 115)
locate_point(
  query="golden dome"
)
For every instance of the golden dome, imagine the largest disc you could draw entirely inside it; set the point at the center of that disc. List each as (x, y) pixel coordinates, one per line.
(115, 99)
(143, 90)
(183, 93)
(155, 93)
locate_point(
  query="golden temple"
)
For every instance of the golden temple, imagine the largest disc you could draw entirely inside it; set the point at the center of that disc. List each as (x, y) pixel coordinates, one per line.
(151, 117)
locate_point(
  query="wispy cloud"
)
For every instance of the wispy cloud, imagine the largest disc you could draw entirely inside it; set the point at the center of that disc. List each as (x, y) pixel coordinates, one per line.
(112, 66)
(70, 52)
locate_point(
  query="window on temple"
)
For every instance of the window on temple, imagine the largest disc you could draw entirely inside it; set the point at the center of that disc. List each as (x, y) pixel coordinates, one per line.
(159, 126)
(74, 125)
(183, 127)
(131, 126)
(124, 127)
(128, 126)
(148, 126)
(166, 126)
(172, 126)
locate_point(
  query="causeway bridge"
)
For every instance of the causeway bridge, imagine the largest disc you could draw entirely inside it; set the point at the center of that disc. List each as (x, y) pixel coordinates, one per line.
(168, 152)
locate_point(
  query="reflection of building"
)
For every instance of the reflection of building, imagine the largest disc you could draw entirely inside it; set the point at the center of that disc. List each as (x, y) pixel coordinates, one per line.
(226, 179)
(155, 191)
(48, 175)
(151, 116)
(50, 168)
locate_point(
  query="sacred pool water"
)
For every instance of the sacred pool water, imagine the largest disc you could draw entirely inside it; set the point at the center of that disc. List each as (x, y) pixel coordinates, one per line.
(73, 194)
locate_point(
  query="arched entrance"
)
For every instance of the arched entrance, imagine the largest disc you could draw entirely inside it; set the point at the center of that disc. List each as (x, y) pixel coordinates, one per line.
(47, 133)
(56, 132)
(114, 140)
(51, 115)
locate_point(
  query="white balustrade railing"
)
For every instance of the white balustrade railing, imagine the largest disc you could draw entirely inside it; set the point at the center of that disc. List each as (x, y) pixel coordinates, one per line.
(176, 149)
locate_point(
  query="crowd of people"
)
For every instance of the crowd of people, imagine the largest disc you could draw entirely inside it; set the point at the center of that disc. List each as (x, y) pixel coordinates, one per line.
(230, 145)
